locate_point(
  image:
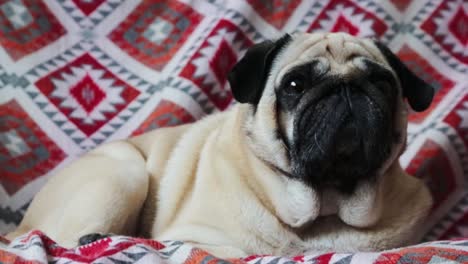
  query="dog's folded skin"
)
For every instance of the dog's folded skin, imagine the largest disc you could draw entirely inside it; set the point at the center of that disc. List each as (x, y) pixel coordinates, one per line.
(278, 174)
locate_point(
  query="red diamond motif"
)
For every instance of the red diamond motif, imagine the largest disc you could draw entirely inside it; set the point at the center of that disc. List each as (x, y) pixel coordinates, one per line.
(166, 114)
(26, 152)
(458, 118)
(343, 25)
(222, 62)
(88, 6)
(101, 96)
(459, 26)
(449, 31)
(197, 69)
(87, 93)
(42, 30)
(183, 20)
(275, 12)
(374, 26)
(433, 166)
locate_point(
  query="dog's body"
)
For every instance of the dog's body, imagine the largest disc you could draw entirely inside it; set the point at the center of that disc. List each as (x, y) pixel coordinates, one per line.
(252, 180)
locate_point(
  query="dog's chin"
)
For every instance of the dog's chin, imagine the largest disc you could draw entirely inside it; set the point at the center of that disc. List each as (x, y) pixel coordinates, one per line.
(341, 142)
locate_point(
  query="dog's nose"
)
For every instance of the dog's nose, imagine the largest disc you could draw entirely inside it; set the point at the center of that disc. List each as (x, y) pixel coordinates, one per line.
(347, 140)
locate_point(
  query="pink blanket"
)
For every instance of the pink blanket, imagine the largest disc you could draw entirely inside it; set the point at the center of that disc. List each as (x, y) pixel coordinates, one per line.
(77, 73)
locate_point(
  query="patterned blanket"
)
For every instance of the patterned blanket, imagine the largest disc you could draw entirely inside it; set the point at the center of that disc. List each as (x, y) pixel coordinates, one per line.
(35, 247)
(77, 73)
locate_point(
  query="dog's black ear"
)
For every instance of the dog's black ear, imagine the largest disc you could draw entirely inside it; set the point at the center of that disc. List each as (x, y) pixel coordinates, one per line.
(418, 92)
(248, 77)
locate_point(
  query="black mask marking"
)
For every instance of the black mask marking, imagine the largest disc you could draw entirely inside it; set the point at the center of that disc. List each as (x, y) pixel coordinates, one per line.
(343, 128)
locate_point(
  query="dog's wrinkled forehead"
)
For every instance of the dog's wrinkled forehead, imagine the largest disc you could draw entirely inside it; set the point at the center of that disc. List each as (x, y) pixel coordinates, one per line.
(336, 53)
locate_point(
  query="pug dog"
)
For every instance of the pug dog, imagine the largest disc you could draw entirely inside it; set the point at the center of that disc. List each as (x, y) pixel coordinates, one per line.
(307, 161)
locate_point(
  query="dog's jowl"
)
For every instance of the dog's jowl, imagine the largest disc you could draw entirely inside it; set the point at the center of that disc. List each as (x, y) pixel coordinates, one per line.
(307, 161)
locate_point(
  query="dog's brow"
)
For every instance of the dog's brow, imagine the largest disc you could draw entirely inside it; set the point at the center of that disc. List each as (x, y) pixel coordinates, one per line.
(364, 45)
(307, 68)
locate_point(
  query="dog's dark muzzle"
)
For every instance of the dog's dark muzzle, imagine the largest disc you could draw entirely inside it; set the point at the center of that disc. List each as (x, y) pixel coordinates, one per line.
(342, 136)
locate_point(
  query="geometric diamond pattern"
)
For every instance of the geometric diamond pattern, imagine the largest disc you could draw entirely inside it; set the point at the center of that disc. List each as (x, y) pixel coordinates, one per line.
(17, 14)
(124, 249)
(87, 93)
(344, 25)
(460, 229)
(166, 114)
(423, 254)
(88, 14)
(208, 66)
(348, 17)
(275, 12)
(224, 58)
(14, 143)
(447, 27)
(158, 31)
(458, 118)
(26, 152)
(27, 26)
(433, 165)
(154, 32)
(458, 26)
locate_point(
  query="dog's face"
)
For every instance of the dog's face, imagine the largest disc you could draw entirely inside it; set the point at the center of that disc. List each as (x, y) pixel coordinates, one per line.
(328, 109)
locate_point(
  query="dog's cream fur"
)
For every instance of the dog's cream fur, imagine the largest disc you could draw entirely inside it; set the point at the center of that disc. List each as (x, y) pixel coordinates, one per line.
(208, 184)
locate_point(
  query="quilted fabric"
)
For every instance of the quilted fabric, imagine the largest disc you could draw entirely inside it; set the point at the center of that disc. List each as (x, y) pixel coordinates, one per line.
(77, 73)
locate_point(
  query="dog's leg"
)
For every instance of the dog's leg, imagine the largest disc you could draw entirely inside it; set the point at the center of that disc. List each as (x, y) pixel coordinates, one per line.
(102, 192)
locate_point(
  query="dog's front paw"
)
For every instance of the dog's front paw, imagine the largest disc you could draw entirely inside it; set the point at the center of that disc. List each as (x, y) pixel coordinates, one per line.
(90, 238)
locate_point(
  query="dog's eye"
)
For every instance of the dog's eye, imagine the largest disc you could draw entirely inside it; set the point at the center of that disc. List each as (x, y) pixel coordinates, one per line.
(294, 85)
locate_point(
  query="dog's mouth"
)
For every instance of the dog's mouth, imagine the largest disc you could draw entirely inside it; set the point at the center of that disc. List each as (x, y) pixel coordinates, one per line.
(341, 139)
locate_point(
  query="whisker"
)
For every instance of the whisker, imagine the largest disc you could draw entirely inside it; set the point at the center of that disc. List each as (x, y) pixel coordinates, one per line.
(318, 145)
(348, 98)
